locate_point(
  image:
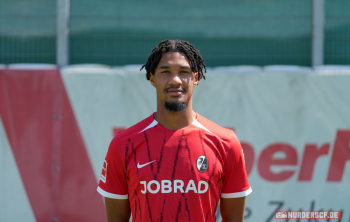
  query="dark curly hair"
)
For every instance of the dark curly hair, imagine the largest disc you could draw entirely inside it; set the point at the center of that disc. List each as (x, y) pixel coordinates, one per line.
(182, 46)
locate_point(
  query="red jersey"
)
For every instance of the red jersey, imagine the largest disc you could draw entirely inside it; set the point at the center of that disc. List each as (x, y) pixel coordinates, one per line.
(174, 175)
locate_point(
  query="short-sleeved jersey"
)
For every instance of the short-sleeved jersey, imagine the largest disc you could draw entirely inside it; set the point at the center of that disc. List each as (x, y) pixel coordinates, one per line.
(174, 175)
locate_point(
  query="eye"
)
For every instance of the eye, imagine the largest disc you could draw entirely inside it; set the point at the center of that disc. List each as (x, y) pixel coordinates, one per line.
(165, 71)
(184, 71)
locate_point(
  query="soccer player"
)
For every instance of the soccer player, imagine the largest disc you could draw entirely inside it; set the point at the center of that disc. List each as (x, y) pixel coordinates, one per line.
(175, 165)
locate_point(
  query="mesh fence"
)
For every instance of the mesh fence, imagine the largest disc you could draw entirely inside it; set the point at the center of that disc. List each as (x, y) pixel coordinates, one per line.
(337, 32)
(239, 32)
(226, 32)
(27, 31)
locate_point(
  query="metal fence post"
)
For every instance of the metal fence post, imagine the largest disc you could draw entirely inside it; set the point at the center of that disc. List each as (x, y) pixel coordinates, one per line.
(317, 32)
(62, 46)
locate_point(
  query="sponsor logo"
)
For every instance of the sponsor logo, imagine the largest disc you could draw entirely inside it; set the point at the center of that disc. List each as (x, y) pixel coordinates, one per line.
(308, 215)
(140, 166)
(202, 163)
(281, 214)
(176, 186)
(104, 172)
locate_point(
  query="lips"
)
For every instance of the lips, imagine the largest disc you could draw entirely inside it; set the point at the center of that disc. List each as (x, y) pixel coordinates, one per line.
(175, 90)
(174, 93)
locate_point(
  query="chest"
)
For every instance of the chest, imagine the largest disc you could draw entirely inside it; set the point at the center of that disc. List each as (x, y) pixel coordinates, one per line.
(176, 157)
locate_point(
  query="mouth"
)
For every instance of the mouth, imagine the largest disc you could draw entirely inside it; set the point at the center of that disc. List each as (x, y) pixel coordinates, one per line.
(175, 91)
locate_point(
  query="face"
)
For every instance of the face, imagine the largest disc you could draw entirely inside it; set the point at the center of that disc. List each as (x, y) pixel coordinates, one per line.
(174, 81)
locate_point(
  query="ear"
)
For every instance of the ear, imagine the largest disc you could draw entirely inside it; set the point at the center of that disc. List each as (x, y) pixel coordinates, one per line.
(151, 80)
(195, 79)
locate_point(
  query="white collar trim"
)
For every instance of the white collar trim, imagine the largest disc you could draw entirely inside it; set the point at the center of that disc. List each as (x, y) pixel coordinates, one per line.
(195, 122)
(154, 123)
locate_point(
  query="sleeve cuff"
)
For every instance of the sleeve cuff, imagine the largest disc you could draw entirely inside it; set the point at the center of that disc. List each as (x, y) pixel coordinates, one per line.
(236, 195)
(111, 195)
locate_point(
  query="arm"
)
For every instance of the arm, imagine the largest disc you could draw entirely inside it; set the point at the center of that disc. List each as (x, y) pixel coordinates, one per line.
(232, 209)
(118, 210)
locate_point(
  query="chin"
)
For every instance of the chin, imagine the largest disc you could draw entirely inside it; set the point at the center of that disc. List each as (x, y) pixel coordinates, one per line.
(175, 106)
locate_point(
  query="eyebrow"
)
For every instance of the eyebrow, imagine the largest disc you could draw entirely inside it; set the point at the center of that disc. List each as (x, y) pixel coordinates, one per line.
(168, 67)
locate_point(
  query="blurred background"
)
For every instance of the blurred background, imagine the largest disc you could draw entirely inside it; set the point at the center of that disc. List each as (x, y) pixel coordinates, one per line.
(70, 79)
(249, 32)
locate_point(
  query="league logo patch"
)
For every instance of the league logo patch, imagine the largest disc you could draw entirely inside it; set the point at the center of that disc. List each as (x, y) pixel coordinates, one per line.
(243, 156)
(202, 163)
(104, 172)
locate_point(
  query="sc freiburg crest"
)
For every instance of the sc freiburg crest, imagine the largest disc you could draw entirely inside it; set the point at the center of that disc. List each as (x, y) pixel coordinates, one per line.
(202, 163)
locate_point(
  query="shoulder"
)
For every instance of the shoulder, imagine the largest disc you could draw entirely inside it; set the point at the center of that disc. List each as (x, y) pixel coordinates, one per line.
(222, 133)
(228, 139)
(117, 145)
(134, 130)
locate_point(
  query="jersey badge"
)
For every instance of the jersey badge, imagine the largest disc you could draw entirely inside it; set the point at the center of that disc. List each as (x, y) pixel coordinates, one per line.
(202, 163)
(104, 172)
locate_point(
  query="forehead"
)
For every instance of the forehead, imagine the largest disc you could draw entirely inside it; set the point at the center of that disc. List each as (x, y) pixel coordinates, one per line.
(173, 59)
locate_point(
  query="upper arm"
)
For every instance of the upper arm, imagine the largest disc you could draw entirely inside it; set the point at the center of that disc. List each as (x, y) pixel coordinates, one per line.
(235, 183)
(118, 210)
(113, 185)
(235, 180)
(232, 209)
(113, 182)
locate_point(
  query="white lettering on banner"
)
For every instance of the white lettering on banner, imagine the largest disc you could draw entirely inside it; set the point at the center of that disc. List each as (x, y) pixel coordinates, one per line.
(166, 186)
(308, 214)
(313, 213)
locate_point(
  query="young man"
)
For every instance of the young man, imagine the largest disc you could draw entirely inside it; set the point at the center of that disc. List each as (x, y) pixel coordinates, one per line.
(175, 165)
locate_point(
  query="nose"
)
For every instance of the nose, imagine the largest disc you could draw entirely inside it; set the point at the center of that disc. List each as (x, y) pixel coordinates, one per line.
(175, 79)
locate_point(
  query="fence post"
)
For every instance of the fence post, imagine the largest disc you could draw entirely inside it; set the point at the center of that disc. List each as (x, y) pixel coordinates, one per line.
(62, 45)
(317, 32)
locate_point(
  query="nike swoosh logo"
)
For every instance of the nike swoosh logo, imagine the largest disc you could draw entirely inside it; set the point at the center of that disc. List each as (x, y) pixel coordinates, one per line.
(140, 166)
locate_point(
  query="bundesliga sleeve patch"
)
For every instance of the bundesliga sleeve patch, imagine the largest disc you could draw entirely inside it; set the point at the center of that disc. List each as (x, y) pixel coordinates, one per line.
(243, 156)
(104, 172)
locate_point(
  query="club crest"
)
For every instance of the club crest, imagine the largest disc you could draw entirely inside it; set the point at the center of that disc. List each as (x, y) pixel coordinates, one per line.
(202, 163)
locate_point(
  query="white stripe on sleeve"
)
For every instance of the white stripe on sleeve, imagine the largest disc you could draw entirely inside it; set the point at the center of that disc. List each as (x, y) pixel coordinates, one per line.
(111, 195)
(236, 195)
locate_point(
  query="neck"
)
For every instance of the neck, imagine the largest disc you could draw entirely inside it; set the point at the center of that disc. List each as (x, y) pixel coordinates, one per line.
(174, 120)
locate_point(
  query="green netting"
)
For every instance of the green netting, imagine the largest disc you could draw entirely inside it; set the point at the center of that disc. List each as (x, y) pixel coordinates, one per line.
(27, 31)
(226, 32)
(337, 32)
(256, 32)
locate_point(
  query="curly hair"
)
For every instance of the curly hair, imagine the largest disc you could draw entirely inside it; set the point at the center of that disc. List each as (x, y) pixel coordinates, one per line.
(197, 63)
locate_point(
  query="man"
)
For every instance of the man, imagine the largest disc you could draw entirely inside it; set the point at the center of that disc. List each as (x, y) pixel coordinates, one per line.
(175, 165)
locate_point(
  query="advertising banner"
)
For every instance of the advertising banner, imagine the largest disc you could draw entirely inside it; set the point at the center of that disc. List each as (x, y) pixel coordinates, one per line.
(48, 149)
(56, 125)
